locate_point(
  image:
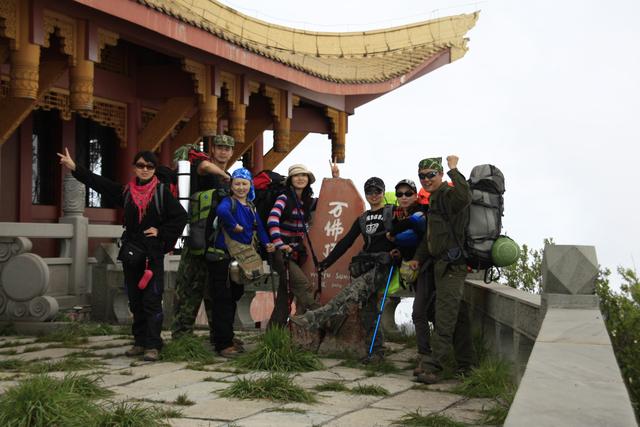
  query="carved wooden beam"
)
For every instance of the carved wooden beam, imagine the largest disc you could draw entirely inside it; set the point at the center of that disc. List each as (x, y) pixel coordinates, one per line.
(274, 158)
(81, 74)
(190, 134)
(202, 75)
(281, 109)
(14, 110)
(254, 128)
(338, 125)
(25, 57)
(163, 123)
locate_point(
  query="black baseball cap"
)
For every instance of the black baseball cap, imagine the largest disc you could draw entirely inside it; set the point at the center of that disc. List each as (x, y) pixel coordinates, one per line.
(374, 182)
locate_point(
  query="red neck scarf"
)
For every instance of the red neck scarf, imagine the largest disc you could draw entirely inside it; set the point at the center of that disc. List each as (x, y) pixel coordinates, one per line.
(141, 194)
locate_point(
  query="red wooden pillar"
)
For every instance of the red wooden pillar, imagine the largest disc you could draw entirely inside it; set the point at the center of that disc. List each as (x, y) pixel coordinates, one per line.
(126, 153)
(165, 153)
(256, 152)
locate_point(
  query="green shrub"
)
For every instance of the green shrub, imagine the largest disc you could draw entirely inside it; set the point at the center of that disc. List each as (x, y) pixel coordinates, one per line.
(129, 414)
(369, 390)
(276, 352)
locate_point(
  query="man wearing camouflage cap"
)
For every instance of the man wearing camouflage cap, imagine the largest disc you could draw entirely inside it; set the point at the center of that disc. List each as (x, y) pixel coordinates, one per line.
(442, 252)
(191, 279)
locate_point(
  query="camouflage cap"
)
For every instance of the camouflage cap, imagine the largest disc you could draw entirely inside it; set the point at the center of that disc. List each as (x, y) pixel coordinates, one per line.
(224, 140)
(434, 163)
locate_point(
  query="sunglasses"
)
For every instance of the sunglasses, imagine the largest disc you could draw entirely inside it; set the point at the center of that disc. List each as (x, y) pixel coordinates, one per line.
(147, 166)
(404, 194)
(428, 175)
(372, 191)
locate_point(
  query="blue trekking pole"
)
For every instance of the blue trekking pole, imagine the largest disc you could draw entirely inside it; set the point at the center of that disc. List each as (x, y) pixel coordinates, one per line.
(384, 298)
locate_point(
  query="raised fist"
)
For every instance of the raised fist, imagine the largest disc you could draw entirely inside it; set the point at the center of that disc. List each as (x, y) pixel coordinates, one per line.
(452, 161)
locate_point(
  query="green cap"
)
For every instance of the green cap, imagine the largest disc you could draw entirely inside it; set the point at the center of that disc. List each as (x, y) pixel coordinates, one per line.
(224, 140)
(434, 163)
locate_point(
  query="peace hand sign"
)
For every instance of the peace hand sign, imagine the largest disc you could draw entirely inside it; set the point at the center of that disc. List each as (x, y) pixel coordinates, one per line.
(66, 160)
(335, 171)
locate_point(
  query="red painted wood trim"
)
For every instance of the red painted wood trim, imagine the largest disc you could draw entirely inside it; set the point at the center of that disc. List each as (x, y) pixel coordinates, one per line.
(195, 37)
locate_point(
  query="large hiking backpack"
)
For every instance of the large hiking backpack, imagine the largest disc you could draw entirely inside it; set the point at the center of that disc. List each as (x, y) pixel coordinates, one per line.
(202, 213)
(268, 186)
(485, 214)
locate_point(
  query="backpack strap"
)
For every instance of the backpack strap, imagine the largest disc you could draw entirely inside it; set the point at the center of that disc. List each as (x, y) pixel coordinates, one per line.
(387, 217)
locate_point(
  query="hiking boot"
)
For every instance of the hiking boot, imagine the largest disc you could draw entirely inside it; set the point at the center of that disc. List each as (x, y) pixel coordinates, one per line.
(429, 377)
(229, 352)
(151, 355)
(239, 345)
(375, 357)
(300, 321)
(463, 372)
(418, 369)
(136, 350)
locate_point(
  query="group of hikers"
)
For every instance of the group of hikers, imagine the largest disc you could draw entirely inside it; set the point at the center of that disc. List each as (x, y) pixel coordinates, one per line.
(419, 236)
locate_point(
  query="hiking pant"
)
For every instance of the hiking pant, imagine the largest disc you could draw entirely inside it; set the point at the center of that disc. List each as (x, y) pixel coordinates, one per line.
(224, 296)
(452, 325)
(297, 284)
(191, 289)
(146, 304)
(423, 308)
(362, 291)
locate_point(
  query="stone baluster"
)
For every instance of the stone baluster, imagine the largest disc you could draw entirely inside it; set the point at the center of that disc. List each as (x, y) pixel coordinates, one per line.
(77, 247)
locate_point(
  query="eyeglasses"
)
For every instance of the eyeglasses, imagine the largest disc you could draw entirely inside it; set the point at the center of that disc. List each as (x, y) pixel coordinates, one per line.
(147, 166)
(428, 175)
(404, 194)
(372, 191)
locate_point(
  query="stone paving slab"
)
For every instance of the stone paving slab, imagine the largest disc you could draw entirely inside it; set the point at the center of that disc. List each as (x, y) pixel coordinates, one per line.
(288, 419)
(309, 383)
(155, 368)
(118, 363)
(103, 338)
(151, 387)
(227, 409)
(469, 411)
(392, 383)
(112, 380)
(100, 345)
(17, 341)
(426, 401)
(368, 417)
(197, 392)
(339, 373)
(48, 354)
(336, 403)
(407, 355)
(192, 422)
(329, 363)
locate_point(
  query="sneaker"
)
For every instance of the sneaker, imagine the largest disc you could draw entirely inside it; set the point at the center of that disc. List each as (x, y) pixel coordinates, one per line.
(151, 355)
(136, 350)
(230, 352)
(238, 344)
(418, 369)
(429, 378)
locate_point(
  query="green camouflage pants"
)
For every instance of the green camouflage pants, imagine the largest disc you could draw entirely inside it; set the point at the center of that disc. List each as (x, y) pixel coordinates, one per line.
(452, 327)
(362, 291)
(191, 289)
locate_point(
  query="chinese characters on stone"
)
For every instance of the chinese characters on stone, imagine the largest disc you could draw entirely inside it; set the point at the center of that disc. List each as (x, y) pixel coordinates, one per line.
(333, 227)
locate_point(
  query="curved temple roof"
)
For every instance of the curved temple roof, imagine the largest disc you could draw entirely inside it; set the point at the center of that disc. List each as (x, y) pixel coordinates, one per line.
(354, 57)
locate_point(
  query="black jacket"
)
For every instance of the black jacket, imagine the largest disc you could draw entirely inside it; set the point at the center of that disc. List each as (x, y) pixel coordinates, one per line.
(169, 224)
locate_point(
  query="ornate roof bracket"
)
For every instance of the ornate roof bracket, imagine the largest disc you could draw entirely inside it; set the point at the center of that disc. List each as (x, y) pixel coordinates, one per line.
(203, 83)
(235, 89)
(9, 21)
(338, 124)
(164, 122)
(273, 158)
(281, 106)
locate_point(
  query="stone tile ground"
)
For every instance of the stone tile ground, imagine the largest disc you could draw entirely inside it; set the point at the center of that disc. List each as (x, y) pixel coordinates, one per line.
(162, 382)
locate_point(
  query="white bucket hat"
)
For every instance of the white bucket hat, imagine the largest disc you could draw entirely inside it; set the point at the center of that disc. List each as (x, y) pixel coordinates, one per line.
(298, 169)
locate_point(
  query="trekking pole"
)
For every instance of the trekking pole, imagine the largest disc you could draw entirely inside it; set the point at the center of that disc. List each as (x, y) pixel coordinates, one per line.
(384, 298)
(287, 259)
(318, 290)
(273, 286)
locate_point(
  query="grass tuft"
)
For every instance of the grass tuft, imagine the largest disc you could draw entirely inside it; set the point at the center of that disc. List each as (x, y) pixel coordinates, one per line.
(431, 420)
(277, 387)
(70, 363)
(331, 386)
(369, 390)
(131, 415)
(287, 410)
(45, 401)
(183, 400)
(187, 348)
(276, 352)
(373, 368)
(491, 379)
(498, 413)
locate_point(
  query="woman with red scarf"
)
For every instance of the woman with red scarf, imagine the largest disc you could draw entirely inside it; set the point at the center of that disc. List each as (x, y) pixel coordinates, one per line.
(149, 225)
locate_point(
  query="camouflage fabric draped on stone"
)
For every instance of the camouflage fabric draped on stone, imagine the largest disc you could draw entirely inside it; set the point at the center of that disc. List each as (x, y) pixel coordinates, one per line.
(363, 292)
(191, 289)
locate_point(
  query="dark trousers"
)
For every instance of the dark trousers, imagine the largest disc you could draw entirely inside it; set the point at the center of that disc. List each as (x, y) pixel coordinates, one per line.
(424, 308)
(452, 329)
(224, 296)
(146, 304)
(293, 280)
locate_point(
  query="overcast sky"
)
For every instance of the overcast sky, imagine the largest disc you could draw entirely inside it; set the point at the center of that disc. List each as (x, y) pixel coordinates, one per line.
(549, 92)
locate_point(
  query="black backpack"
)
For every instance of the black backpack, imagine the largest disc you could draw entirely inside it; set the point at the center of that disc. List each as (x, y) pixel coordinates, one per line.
(268, 186)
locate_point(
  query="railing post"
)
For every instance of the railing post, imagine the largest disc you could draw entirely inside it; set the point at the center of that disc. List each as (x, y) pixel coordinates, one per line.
(77, 248)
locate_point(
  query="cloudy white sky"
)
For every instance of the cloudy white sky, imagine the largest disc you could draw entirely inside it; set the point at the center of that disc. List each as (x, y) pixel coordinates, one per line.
(549, 92)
